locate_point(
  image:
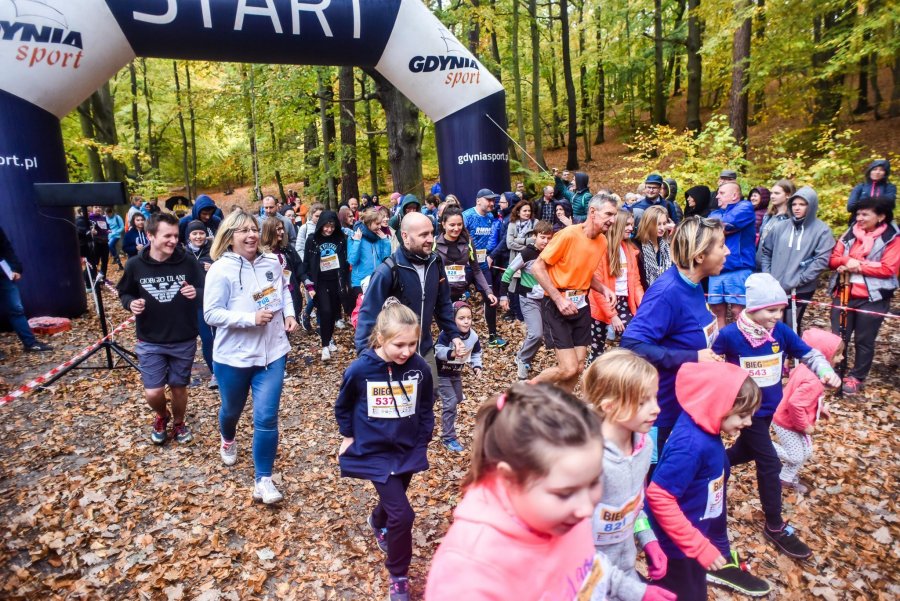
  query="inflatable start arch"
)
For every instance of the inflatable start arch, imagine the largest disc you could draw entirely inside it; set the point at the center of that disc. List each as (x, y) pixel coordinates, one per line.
(55, 53)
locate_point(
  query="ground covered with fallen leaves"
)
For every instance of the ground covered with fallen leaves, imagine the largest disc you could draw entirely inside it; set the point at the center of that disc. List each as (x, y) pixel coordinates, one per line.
(90, 509)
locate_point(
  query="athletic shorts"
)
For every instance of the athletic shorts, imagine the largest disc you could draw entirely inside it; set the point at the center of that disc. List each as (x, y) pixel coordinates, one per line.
(729, 287)
(562, 332)
(168, 363)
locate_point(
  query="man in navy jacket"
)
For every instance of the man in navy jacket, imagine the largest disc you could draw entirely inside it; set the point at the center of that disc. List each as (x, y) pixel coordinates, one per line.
(418, 280)
(11, 301)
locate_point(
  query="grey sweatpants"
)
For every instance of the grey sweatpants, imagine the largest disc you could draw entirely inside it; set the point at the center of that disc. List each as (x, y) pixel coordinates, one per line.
(450, 391)
(534, 329)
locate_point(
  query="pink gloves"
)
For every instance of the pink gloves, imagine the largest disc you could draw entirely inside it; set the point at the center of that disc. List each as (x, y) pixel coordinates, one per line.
(657, 562)
(655, 593)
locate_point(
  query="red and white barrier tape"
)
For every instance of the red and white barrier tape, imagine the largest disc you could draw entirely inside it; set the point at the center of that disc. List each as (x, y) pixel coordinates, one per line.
(821, 304)
(35, 383)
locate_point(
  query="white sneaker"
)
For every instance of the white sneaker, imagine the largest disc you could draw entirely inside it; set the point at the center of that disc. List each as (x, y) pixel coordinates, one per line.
(264, 490)
(339, 324)
(326, 353)
(522, 369)
(332, 346)
(228, 452)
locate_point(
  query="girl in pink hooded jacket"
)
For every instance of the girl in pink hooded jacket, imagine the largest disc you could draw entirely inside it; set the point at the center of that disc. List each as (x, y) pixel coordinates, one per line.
(802, 404)
(522, 530)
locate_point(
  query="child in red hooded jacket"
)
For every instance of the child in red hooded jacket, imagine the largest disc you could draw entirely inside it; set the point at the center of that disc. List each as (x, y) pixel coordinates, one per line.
(802, 404)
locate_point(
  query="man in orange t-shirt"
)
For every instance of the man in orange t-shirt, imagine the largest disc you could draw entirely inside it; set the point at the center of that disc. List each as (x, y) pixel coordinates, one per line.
(565, 270)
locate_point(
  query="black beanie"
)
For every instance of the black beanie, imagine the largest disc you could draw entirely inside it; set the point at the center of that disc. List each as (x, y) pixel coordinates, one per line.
(195, 225)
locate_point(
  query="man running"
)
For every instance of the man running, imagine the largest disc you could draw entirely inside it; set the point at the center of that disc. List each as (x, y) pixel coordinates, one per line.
(565, 270)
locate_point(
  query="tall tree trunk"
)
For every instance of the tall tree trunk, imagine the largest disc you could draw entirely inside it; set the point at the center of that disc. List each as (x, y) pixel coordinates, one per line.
(536, 85)
(248, 92)
(135, 122)
(349, 168)
(877, 98)
(404, 137)
(894, 108)
(87, 130)
(152, 151)
(555, 131)
(517, 79)
(310, 144)
(371, 143)
(193, 125)
(862, 89)
(571, 107)
(184, 140)
(673, 64)
(740, 75)
(601, 83)
(694, 67)
(583, 87)
(474, 32)
(827, 91)
(659, 93)
(326, 96)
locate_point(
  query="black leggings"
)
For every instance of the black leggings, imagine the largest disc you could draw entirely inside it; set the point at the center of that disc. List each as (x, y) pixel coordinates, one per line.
(328, 307)
(396, 514)
(864, 329)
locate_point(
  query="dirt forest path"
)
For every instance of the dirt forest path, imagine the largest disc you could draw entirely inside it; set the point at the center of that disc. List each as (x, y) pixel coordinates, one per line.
(89, 509)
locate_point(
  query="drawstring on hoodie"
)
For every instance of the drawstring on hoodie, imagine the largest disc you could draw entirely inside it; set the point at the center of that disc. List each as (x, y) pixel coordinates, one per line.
(799, 238)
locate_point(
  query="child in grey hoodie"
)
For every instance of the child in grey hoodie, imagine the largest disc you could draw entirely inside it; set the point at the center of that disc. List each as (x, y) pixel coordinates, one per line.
(622, 387)
(797, 250)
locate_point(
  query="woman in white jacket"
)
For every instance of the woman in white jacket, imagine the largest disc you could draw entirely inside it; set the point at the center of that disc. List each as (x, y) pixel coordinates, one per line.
(248, 301)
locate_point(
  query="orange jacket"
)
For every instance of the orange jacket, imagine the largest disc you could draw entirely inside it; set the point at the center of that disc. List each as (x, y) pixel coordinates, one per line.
(600, 308)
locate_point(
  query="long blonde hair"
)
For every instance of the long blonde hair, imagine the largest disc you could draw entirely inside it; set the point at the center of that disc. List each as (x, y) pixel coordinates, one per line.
(224, 236)
(649, 222)
(614, 238)
(617, 382)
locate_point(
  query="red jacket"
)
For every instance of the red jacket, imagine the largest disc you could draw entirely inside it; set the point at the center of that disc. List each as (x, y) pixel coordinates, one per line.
(600, 307)
(799, 406)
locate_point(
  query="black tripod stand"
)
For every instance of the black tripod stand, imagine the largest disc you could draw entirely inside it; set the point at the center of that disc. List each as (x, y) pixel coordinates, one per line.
(106, 344)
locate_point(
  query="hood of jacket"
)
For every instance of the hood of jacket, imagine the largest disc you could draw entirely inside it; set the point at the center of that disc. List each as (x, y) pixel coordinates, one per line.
(367, 234)
(706, 392)
(673, 189)
(408, 200)
(812, 199)
(825, 342)
(581, 181)
(490, 506)
(179, 255)
(764, 196)
(328, 217)
(702, 199)
(203, 202)
(879, 163)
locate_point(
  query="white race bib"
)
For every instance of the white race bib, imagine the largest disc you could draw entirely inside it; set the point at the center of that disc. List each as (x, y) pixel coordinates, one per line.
(329, 263)
(711, 332)
(481, 254)
(715, 498)
(394, 402)
(579, 297)
(456, 274)
(765, 370)
(614, 524)
(287, 276)
(268, 299)
(596, 582)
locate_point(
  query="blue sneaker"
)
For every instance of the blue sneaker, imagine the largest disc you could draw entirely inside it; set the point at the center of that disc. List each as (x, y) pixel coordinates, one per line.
(496, 341)
(453, 445)
(380, 534)
(399, 590)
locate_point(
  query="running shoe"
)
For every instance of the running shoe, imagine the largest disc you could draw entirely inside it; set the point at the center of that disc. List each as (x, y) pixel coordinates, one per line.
(736, 577)
(495, 341)
(453, 445)
(399, 590)
(332, 346)
(228, 452)
(326, 353)
(264, 490)
(380, 534)
(522, 369)
(158, 435)
(38, 347)
(213, 383)
(182, 434)
(788, 542)
(851, 385)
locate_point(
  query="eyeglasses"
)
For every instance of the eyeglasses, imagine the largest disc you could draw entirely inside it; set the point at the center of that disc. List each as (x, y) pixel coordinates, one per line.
(247, 230)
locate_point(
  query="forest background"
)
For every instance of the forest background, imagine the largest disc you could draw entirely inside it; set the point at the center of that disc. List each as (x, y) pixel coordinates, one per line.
(808, 90)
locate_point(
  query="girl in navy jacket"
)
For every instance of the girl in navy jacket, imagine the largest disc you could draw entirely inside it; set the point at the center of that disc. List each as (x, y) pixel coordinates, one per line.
(385, 414)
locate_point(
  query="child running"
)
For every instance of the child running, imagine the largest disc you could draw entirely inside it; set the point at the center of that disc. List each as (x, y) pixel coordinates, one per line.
(521, 530)
(803, 403)
(757, 342)
(385, 414)
(622, 387)
(687, 492)
(531, 295)
(450, 368)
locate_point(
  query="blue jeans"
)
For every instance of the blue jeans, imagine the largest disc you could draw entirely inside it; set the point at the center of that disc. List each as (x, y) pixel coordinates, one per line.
(11, 305)
(206, 338)
(266, 382)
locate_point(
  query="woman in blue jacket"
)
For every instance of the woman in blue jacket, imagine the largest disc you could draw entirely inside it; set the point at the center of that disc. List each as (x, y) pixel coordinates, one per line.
(385, 414)
(366, 249)
(876, 184)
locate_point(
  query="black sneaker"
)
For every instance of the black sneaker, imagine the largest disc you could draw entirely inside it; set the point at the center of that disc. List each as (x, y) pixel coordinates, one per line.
(735, 576)
(380, 534)
(788, 542)
(38, 347)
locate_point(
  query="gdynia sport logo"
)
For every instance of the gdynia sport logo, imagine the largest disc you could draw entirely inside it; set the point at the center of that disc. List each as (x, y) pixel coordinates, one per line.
(37, 31)
(460, 70)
